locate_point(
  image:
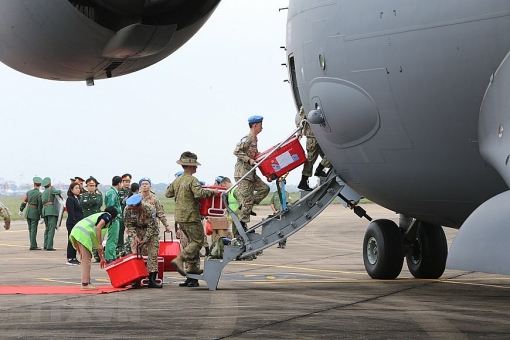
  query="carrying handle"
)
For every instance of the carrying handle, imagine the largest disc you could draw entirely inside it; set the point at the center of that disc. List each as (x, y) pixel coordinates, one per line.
(171, 234)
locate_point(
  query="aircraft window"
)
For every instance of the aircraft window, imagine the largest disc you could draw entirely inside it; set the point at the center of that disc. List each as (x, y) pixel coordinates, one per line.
(294, 82)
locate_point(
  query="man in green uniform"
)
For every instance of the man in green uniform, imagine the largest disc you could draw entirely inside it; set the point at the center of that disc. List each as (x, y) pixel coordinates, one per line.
(123, 193)
(251, 189)
(112, 199)
(187, 190)
(6, 215)
(91, 200)
(49, 212)
(32, 201)
(313, 150)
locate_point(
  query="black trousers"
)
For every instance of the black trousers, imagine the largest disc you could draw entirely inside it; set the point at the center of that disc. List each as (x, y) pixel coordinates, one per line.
(71, 252)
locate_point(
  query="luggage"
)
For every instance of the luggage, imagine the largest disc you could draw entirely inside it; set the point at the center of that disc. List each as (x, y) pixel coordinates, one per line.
(214, 205)
(169, 250)
(288, 157)
(126, 270)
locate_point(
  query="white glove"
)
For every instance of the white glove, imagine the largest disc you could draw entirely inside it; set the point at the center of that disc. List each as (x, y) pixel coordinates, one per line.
(41, 221)
(20, 213)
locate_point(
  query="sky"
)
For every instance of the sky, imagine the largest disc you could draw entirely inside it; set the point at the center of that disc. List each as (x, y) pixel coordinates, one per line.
(198, 99)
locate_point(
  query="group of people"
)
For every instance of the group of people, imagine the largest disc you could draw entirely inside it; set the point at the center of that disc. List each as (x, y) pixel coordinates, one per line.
(138, 214)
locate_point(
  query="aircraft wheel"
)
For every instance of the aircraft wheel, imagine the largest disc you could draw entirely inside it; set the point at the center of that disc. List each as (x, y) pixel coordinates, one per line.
(428, 252)
(383, 253)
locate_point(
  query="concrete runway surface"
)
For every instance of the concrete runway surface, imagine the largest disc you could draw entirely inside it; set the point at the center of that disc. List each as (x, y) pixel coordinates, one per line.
(316, 288)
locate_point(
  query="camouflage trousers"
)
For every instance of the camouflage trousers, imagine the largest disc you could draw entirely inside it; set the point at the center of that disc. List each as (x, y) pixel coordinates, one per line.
(313, 151)
(194, 233)
(250, 193)
(149, 248)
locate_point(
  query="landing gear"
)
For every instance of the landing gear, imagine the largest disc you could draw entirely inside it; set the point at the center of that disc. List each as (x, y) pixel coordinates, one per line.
(428, 252)
(383, 253)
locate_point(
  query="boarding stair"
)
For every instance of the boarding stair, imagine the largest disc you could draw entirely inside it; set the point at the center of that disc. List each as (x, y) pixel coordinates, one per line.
(281, 225)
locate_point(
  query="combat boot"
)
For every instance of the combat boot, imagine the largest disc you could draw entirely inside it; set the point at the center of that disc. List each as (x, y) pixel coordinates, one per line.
(152, 281)
(178, 263)
(194, 269)
(303, 185)
(185, 283)
(320, 171)
(207, 251)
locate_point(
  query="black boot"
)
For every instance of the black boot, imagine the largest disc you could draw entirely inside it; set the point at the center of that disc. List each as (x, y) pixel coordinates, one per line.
(207, 251)
(185, 283)
(320, 171)
(303, 185)
(152, 281)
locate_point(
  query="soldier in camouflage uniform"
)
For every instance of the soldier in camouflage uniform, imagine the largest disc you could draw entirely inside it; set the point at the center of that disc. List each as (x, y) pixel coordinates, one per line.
(187, 190)
(313, 150)
(141, 214)
(251, 190)
(32, 201)
(6, 215)
(123, 193)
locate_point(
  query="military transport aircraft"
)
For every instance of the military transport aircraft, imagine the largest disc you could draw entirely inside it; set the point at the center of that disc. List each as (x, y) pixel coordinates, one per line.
(95, 39)
(410, 103)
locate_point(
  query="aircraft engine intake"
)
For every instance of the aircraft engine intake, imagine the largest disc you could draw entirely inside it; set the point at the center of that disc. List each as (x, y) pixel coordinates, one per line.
(95, 39)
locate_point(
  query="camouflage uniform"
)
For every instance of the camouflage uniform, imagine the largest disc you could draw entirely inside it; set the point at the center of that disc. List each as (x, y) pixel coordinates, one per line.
(251, 190)
(187, 190)
(6, 215)
(313, 149)
(140, 221)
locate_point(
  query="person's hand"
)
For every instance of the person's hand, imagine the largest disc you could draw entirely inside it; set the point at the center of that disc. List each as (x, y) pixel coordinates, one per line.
(102, 263)
(20, 213)
(252, 161)
(41, 221)
(299, 135)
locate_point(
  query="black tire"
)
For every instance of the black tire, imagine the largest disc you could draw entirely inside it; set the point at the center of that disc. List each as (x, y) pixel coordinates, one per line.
(429, 252)
(383, 253)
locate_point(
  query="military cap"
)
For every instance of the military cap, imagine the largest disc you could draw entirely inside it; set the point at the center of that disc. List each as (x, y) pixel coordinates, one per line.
(179, 173)
(46, 181)
(134, 200)
(202, 183)
(37, 180)
(144, 179)
(255, 119)
(91, 180)
(188, 161)
(79, 179)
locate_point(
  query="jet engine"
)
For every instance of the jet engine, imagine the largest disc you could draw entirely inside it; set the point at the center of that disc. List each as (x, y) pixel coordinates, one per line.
(95, 39)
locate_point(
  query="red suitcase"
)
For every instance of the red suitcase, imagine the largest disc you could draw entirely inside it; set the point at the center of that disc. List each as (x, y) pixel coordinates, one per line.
(288, 157)
(127, 270)
(169, 250)
(212, 206)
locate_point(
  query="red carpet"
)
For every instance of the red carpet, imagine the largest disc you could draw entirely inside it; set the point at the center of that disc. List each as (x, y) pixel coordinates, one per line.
(68, 290)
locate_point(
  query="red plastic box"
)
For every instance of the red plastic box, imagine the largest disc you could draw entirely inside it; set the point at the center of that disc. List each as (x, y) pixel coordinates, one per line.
(169, 250)
(288, 157)
(127, 270)
(213, 206)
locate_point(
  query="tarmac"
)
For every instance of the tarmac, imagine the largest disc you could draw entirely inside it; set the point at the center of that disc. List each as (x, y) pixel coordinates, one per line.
(316, 288)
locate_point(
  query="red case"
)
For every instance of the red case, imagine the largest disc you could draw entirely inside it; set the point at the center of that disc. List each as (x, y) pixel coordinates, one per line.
(126, 270)
(288, 157)
(161, 267)
(169, 250)
(212, 206)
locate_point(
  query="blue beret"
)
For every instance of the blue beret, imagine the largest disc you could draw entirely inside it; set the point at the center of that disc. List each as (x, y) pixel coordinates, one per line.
(144, 179)
(134, 200)
(179, 173)
(202, 183)
(255, 119)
